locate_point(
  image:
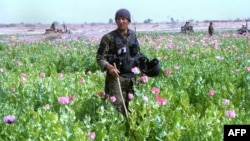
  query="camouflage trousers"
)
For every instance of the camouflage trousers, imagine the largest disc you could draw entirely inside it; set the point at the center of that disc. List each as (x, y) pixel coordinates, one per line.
(113, 89)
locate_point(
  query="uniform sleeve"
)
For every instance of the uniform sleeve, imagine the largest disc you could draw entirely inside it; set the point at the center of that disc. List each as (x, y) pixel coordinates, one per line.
(102, 52)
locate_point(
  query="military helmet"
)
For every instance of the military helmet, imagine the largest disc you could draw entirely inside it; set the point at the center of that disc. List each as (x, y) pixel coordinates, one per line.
(151, 68)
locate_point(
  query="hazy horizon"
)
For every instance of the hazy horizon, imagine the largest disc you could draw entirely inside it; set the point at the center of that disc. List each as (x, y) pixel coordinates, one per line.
(97, 11)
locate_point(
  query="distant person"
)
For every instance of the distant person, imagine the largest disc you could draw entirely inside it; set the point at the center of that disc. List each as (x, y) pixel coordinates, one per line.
(243, 29)
(246, 27)
(187, 24)
(211, 29)
(53, 26)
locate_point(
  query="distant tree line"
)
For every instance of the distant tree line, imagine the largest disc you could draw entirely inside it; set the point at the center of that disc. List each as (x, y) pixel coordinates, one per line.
(111, 21)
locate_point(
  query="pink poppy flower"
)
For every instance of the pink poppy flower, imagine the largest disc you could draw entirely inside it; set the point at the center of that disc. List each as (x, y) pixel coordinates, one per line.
(225, 102)
(23, 75)
(23, 80)
(211, 92)
(248, 69)
(42, 75)
(135, 70)
(230, 113)
(63, 100)
(167, 72)
(92, 135)
(144, 79)
(160, 100)
(60, 75)
(112, 98)
(81, 80)
(46, 106)
(130, 96)
(9, 119)
(155, 90)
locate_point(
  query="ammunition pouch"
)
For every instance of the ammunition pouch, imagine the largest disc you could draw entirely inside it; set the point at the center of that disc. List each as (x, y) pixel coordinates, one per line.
(134, 50)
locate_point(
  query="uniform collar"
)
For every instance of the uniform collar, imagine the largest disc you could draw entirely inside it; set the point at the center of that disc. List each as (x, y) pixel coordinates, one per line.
(124, 35)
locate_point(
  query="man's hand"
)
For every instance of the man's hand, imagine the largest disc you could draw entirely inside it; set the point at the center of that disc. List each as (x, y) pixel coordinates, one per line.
(112, 70)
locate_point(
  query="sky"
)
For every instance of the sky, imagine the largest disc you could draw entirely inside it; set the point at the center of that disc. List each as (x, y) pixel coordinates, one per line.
(100, 11)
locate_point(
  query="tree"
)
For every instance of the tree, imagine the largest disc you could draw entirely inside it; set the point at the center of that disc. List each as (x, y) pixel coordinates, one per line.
(148, 21)
(172, 20)
(111, 21)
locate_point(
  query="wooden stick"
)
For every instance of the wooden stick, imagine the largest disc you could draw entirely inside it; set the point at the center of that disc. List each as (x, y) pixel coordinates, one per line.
(119, 85)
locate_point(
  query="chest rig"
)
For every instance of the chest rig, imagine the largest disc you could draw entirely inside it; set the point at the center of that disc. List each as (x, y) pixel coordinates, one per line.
(124, 53)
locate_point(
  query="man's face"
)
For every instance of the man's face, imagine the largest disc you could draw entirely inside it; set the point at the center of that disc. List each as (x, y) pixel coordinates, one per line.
(122, 23)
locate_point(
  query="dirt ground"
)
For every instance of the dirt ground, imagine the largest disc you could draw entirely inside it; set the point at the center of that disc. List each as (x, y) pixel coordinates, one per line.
(33, 33)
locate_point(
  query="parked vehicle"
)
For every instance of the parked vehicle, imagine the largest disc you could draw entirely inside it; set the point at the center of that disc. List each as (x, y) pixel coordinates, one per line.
(187, 28)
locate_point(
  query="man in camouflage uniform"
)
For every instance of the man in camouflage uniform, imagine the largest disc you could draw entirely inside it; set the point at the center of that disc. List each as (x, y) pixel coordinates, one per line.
(117, 54)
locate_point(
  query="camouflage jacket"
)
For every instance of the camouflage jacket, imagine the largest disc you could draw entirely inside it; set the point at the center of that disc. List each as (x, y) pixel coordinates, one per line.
(123, 49)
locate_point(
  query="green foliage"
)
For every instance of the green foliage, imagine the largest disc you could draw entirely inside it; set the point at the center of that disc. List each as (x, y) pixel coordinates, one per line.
(197, 64)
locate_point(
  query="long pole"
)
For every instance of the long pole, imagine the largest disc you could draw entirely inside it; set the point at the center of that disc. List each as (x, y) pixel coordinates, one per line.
(120, 90)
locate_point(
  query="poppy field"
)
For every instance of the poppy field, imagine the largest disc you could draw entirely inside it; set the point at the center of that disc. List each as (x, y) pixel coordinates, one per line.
(53, 90)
